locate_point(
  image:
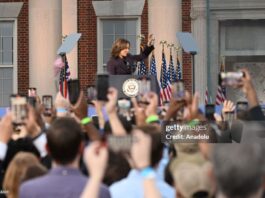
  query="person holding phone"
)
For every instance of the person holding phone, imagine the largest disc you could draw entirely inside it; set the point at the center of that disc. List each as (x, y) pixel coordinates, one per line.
(121, 61)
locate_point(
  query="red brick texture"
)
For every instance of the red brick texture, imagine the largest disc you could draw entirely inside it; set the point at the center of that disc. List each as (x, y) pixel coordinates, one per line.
(87, 45)
(186, 58)
(22, 47)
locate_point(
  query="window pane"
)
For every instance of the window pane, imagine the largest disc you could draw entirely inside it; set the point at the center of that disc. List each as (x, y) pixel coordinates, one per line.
(7, 57)
(251, 32)
(114, 29)
(7, 73)
(7, 43)
(6, 85)
(120, 27)
(108, 41)
(6, 28)
(106, 56)
(108, 27)
(131, 27)
(132, 40)
(6, 102)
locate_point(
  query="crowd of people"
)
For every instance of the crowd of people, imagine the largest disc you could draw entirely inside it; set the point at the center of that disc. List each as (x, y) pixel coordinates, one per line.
(68, 154)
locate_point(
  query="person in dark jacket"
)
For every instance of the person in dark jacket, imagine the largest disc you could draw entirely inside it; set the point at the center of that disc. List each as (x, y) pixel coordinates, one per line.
(121, 61)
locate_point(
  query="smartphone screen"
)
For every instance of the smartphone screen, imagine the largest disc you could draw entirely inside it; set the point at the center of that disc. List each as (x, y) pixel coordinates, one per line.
(209, 111)
(32, 92)
(47, 103)
(91, 94)
(102, 87)
(178, 90)
(18, 109)
(230, 78)
(74, 90)
(241, 106)
(144, 89)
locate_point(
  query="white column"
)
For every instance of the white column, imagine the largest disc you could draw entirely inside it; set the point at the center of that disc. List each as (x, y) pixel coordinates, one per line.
(69, 26)
(45, 36)
(198, 16)
(164, 21)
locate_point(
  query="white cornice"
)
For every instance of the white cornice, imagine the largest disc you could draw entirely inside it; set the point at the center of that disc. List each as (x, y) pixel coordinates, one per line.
(236, 4)
(10, 10)
(119, 8)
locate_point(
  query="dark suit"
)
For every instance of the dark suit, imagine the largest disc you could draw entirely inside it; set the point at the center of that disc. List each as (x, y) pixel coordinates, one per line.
(59, 182)
(125, 66)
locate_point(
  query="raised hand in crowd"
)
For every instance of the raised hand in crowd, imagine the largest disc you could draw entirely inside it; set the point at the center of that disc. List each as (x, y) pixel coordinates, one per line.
(139, 113)
(174, 107)
(142, 113)
(141, 158)
(228, 106)
(96, 158)
(62, 106)
(115, 123)
(191, 109)
(151, 108)
(80, 108)
(81, 112)
(248, 89)
(98, 106)
(33, 123)
(6, 128)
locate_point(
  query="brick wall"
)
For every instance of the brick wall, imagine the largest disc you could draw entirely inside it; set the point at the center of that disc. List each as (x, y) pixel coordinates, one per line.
(87, 45)
(186, 58)
(22, 47)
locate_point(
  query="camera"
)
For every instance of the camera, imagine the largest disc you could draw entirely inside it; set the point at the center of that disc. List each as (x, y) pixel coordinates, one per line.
(47, 103)
(178, 90)
(18, 109)
(102, 87)
(144, 89)
(91, 94)
(230, 78)
(74, 90)
(209, 111)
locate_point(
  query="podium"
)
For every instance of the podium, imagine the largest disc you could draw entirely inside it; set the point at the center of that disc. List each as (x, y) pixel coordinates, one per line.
(120, 82)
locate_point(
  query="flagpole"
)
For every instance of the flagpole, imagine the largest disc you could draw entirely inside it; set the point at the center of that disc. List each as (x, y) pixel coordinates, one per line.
(170, 46)
(177, 49)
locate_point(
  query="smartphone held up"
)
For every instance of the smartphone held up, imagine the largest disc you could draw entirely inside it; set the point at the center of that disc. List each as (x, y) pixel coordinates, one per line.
(18, 109)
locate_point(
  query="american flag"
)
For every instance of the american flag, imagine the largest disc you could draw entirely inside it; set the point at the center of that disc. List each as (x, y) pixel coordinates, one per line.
(220, 95)
(165, 91)
(153, 66)
(64, 77)
(142, 70)
(179, 71)
(171, 70)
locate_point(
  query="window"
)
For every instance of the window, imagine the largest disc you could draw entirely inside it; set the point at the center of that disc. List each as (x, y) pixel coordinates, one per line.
(243, 45)
(110, 30)
(7, 61)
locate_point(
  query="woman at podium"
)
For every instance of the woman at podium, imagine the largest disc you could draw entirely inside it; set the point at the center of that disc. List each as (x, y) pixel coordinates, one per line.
(124, 63)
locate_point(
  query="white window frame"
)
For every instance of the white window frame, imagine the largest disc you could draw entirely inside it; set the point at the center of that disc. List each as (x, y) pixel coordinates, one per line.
(225, 52)
(14, 66)
(100, 37)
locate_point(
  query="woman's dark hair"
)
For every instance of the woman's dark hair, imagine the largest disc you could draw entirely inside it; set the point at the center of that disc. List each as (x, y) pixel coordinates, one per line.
(118, 45)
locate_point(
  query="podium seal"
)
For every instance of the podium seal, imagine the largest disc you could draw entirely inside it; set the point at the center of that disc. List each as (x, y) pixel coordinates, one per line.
(130, 87)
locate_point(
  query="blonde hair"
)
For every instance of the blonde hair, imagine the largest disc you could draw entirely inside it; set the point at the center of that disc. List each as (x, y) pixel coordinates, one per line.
(16, 171)
(119, 45)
